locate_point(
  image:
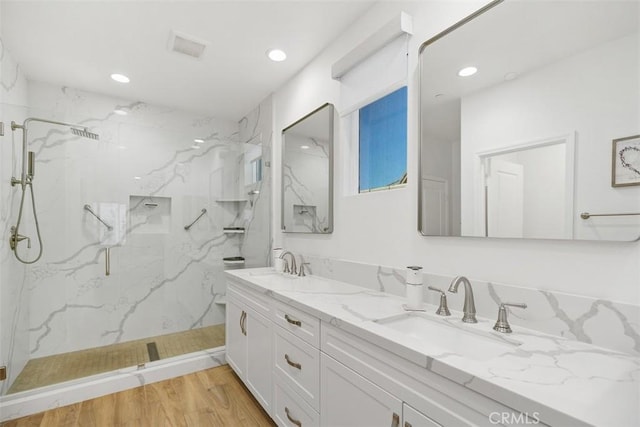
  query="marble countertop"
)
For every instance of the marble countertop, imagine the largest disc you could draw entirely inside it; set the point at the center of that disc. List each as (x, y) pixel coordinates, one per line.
(572, 382)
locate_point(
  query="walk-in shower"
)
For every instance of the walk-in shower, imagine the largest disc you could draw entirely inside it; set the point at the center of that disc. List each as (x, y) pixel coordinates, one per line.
(26, 180)
(158, 301)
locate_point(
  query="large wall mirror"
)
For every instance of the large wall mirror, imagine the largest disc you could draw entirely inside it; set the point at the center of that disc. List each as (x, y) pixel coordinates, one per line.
(530, 123)
(307, 173)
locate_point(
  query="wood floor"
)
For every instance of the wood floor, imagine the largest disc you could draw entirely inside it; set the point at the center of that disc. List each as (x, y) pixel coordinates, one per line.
(214, 397)
(54, 369)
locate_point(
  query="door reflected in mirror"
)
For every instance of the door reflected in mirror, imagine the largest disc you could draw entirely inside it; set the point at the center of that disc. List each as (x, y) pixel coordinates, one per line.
(307, 173)
(521, 147)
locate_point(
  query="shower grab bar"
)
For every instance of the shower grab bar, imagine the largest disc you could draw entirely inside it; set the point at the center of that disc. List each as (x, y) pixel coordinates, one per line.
(202, 212)
(107, 261)
(88, 209)
(587, 215)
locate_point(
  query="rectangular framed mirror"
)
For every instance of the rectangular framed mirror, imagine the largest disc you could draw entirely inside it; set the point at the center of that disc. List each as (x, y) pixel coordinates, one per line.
(307, 173)
(519, 106)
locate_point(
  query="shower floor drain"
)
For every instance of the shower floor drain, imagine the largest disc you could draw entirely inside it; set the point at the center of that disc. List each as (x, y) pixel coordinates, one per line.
(152, 349)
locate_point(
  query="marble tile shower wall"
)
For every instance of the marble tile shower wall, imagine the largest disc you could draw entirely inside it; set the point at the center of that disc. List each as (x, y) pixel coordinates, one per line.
(608, 324)
(304, 179)
(257, 128)
(163, 278)
(14, 308)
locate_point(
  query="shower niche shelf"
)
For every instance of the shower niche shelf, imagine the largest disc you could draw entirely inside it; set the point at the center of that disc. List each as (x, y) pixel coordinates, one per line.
(233, 230)
(150, 214)
(232, 200)
(233, 262)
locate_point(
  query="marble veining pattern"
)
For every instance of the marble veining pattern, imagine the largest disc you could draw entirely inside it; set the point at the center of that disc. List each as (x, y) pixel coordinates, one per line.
(569, 382)
(14, 292)
(162, 280)
(256, 130)
(601, 322)
(305, 177)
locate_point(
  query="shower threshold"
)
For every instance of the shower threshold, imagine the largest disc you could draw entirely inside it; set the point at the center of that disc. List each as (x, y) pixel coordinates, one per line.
(58, 368)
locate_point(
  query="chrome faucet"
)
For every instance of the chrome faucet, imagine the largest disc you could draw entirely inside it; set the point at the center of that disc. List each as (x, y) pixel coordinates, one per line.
(294, 269)
(469, 308)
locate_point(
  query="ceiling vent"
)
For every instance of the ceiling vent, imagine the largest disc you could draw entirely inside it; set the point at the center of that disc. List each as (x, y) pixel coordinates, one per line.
(187, 45)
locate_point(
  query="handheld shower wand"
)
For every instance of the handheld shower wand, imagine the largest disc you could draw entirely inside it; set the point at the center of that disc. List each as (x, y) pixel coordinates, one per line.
(31, 164)
(26, 179)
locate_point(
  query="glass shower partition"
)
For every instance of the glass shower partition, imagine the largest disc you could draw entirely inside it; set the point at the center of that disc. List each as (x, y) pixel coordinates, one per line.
(136, 228)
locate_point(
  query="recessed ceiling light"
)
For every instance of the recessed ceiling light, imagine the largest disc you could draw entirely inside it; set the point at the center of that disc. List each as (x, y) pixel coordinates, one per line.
(276, 55)
(198, 140)
(120, 112)
(510, 76)
(467, 71)
(120, 78)
(195, 146)
(137, 178)
(304, 147)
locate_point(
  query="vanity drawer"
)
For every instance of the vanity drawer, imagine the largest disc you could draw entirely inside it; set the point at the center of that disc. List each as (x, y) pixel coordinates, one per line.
(298, 365)
(299, 323)
(444, 401)
(289, 410)
(260, 303)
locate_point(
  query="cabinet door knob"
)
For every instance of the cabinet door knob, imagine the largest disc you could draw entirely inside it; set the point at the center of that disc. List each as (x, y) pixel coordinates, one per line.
(294, 364)
(292, 321)
(293, 420)
(395, 420)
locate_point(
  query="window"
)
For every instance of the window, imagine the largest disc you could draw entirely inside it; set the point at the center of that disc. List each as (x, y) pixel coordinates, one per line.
(382, 140)
(256, 170)
(252, 163)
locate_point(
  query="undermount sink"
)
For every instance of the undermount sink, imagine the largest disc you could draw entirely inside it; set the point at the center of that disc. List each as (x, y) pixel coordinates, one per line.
(266, 273)
(449, 338)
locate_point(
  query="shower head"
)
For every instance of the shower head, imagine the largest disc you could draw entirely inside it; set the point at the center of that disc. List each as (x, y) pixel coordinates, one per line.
(85, 133)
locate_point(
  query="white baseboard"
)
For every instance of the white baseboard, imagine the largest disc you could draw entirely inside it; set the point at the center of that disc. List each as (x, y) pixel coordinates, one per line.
(30, 402)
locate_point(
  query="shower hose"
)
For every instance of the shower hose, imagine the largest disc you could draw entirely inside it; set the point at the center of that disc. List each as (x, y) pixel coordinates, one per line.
(35, 217)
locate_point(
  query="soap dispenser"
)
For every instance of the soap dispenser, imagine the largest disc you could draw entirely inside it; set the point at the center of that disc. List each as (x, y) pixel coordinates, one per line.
(414, 288)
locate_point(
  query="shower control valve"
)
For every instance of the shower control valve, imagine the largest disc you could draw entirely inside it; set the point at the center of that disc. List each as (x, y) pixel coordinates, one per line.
(15, 238)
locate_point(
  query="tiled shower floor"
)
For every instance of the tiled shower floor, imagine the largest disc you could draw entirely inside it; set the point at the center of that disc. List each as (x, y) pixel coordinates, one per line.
(77, 364)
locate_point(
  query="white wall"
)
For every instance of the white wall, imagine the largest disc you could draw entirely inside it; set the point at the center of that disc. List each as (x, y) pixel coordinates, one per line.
(560, 100)
(543, 204)
(381, 227)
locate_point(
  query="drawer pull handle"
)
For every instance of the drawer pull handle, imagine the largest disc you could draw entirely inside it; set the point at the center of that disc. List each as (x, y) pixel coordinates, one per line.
(294, 364)
(292, 321)
(395, 420)
(243, 318)
(293, 420)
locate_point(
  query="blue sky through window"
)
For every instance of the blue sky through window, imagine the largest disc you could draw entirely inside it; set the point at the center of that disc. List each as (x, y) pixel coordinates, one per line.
(383, 141)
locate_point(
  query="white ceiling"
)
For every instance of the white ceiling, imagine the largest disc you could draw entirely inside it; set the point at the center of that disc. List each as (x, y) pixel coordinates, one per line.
(80, 43)
(521, 37)
(514, 37)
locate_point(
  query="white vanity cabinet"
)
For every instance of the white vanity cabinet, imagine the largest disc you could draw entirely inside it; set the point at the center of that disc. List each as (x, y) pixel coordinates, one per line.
(413, 418)
(349, 399)
(397, 391)
(296, 360)
(308, 373)
(249, 341)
